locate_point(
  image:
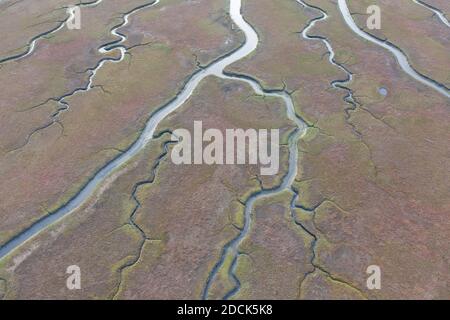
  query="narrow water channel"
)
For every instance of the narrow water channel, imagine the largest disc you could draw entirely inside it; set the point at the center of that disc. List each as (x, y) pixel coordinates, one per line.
(32, 45)
(232, 247)
(436, 11)
(215, 69)
(399, 55)
(107, 48)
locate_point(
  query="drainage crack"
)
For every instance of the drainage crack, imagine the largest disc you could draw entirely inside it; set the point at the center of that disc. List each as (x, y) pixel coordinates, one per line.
(316, 267)
(109, 47)
(35, 131)
(132, 218)
(104, 49)
(32, 44)
(436, 12)
(350, 99)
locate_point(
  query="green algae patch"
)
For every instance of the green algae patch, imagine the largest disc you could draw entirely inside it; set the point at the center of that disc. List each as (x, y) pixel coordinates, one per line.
(151, 251)
(223, 283)
(260, 253)
(244, 269)
(237, 214)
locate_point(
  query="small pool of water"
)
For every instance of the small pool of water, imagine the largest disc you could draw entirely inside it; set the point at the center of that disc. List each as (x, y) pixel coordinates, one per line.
(383, 91)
